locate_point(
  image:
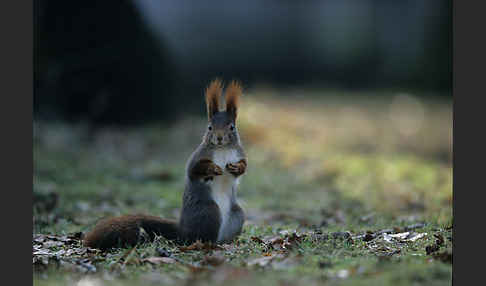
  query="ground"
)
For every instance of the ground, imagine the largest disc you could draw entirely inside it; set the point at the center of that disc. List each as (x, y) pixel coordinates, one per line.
(342, 190)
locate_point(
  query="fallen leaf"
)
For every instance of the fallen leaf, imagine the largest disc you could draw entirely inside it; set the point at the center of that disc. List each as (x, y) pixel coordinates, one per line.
(39, 239)
(386, 230)
(52, 243)
(41, 252)
(257, 239)
(387, 237)
(60, 252)
(416, 236)
(159, 260)
(402, 235)
(274, 240)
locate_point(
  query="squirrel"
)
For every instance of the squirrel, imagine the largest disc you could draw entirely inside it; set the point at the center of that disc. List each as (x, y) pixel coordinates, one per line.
(210, 211)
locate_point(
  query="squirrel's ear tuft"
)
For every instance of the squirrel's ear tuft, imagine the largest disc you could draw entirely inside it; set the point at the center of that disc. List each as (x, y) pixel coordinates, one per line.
(213, 94)
(233, 93)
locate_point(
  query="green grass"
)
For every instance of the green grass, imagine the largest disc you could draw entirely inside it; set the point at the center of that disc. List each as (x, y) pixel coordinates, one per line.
(353, 164)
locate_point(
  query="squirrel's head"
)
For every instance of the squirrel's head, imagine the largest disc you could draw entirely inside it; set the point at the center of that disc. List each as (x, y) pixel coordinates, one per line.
(221, 130)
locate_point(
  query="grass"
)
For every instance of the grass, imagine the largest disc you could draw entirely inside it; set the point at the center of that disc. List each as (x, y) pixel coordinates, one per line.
(317, 165)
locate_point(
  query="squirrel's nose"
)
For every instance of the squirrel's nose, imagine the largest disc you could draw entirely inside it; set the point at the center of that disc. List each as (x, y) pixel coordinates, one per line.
(220, 138)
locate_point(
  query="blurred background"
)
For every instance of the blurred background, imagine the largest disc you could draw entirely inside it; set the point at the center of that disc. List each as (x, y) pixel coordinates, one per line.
(346, 118)
(134, 61)
(346, 101)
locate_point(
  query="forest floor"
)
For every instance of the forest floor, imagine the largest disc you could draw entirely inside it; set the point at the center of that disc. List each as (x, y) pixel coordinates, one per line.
(342, 190)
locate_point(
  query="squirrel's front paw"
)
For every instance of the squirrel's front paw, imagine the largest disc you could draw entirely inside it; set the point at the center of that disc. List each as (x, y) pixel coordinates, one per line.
(205, 169)
(215, 170)
(236, 168)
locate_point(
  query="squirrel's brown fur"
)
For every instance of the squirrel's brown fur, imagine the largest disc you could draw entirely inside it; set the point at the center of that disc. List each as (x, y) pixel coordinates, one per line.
(108, 232)
(233, 93)
(213, 94)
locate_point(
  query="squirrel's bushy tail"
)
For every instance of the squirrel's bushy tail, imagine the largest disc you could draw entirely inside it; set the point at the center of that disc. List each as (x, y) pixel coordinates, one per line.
(127, 230)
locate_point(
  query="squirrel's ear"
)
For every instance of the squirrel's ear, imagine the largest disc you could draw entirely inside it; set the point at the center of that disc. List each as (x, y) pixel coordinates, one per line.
(213, 94)
(233, 93)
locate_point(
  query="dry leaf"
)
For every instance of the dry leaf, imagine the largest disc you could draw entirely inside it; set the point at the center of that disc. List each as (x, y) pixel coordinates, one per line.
(416, 236)
(387, 237)
(257, 239)
(159, 260)
(401, 235)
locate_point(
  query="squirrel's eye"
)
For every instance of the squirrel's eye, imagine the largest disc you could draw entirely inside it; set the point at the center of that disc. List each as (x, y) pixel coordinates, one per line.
(210, 128)
(232, 127)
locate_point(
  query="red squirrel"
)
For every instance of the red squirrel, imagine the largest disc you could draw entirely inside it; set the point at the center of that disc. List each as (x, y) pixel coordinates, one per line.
(210, 212)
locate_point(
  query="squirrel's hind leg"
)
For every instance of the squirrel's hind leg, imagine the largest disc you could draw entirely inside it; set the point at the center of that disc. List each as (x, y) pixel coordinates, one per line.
(200, 222)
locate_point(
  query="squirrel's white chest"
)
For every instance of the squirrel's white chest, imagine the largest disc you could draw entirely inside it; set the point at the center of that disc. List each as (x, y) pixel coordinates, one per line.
(223, 157)
(222, 186)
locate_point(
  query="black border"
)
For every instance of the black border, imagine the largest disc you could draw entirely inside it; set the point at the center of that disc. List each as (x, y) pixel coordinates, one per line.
(469, 63)
(16, 30)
